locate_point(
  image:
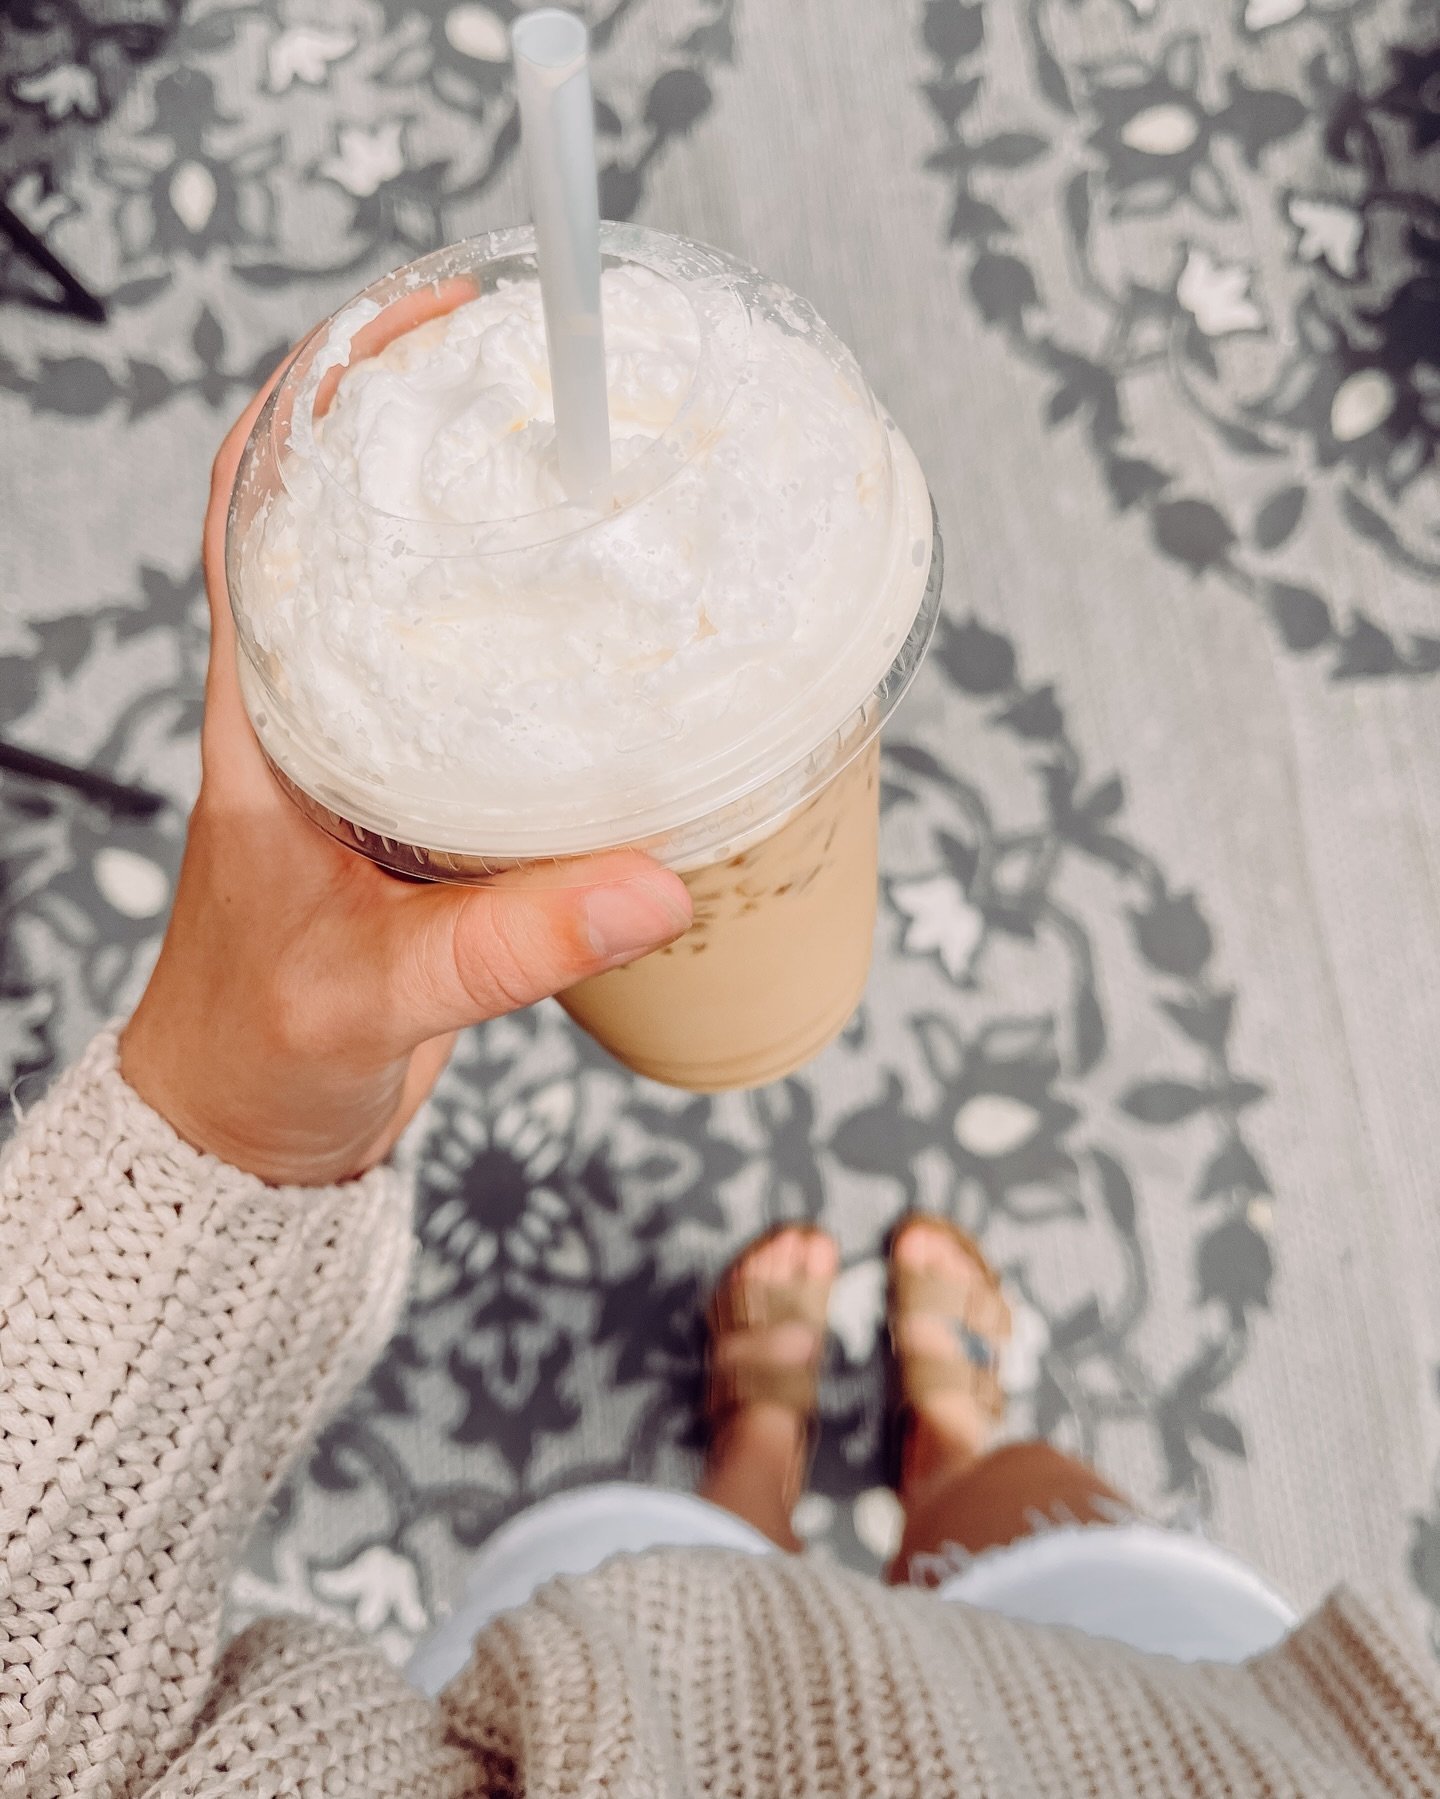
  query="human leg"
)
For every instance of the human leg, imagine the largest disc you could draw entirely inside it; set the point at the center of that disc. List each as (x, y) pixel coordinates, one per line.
(1006, 1494)
(767, 1333)
(949, 1322)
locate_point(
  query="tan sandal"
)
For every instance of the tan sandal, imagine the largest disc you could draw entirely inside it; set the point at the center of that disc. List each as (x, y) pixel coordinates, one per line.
(741, 1305)
(979, 1322)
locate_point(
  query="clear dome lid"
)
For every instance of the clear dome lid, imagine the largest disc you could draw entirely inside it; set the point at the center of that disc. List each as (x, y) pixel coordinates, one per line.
(437, 645)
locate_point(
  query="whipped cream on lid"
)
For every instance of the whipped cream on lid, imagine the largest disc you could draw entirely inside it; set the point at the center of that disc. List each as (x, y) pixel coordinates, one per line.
(437, 643)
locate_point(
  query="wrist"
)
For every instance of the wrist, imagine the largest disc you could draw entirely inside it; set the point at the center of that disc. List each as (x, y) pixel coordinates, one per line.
(243, 1110)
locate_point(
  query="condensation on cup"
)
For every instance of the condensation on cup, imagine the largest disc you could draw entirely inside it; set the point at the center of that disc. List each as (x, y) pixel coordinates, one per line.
(457, 672)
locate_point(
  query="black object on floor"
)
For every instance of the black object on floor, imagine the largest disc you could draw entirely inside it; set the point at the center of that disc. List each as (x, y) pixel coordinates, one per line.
(129, 802)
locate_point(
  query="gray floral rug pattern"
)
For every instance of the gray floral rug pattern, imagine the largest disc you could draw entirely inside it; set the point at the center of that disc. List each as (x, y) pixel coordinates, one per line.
(1151, 817)
(1305, 365)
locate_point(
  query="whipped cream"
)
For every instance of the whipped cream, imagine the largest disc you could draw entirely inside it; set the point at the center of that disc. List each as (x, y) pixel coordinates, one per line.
(665, 650)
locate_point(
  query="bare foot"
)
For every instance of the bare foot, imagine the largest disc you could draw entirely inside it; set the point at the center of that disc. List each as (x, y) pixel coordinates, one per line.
(757, 1460)
(951, 1423)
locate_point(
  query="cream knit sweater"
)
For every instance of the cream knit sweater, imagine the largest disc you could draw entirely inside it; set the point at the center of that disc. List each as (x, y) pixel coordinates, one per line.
(171, 1332)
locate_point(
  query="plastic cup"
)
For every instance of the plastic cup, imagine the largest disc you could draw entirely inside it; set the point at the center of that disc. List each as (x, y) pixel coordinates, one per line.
(774, 831)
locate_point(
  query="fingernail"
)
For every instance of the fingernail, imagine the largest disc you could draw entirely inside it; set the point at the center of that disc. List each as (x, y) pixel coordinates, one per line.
(637, 916)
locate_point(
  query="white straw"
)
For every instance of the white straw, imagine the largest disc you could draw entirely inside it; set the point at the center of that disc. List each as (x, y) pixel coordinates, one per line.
(551, 48)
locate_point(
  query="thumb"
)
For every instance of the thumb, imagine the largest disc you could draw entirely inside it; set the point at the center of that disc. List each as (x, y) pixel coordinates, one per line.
(461, 955)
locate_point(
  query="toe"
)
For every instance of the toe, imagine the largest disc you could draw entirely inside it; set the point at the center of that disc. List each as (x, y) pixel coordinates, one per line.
(822, 1256)
(786, 1256)
(923, 1246)
(764, 1262)
(927, 1246)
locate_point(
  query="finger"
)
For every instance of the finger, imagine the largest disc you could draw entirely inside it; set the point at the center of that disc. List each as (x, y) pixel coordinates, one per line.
(228, 748)
(420, 1077)
(426, 1066)
(457, 956)
(400, 316)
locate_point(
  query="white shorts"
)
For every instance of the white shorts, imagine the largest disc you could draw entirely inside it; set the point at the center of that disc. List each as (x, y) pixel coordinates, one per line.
(1164, 1591)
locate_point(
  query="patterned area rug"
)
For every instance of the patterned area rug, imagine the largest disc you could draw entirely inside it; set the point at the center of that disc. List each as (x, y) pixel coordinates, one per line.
(1157, 973)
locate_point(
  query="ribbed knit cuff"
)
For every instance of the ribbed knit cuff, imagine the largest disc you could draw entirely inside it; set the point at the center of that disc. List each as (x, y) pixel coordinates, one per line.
(92, 1142)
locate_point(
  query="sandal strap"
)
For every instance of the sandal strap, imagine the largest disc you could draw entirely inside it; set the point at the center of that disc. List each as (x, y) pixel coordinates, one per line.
(731, 1385)
(739, 1305)
(927, 1376)
(925, 1291)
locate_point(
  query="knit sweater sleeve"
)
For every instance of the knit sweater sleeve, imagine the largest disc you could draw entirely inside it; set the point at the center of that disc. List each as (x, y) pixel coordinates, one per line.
(171, 1333)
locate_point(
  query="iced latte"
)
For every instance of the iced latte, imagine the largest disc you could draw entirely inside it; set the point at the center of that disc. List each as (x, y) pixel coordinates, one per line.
(457, 671)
